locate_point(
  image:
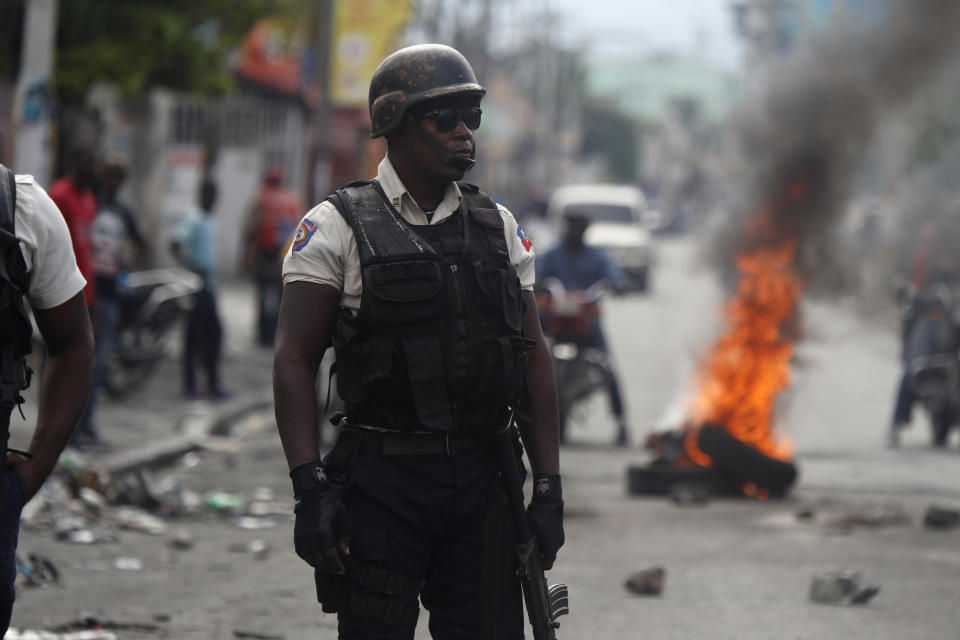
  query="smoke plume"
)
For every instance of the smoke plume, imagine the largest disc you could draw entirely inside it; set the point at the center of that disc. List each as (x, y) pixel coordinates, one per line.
(803, 133)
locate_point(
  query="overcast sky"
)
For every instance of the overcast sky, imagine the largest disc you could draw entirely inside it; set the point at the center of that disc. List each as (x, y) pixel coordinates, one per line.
(702, 27)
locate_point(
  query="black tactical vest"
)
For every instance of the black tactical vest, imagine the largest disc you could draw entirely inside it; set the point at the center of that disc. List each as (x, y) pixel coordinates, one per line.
(437, 342)
(15, 327)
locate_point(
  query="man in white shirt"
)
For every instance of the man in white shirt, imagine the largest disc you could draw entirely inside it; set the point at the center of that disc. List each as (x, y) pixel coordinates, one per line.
(55, 294)
(425, 289)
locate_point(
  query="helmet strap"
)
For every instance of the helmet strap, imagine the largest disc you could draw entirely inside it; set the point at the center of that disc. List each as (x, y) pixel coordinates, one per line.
(447, 158)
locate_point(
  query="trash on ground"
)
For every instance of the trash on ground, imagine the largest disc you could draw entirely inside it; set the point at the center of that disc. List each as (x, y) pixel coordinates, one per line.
(136, 519)
(647, 582)
(263, 494)
(259, 549)
(841, 585)
(845, 515)
(128, 564)
(31, 634)
(253, 523)
(941, 518)
(36, 571)
(221, 501)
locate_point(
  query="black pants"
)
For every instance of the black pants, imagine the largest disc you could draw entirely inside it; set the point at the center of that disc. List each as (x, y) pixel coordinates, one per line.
(203, 338)
(11, 503)
(425, 517)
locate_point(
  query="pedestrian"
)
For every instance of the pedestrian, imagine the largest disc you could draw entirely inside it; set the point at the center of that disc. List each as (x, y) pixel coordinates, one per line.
(35, 245)
(578, 267)
(425, 289)
(74, 196)
(113, 233)
(273, 219)
(194, 244)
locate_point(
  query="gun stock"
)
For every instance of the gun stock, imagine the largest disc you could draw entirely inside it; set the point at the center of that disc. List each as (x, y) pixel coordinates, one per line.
(544, 604)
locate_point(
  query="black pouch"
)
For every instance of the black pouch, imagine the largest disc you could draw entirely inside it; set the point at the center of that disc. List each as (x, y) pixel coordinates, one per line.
(329, 591)
(403, 292)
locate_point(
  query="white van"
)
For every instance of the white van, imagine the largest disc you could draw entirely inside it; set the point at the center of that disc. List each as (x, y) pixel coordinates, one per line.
(615, 213)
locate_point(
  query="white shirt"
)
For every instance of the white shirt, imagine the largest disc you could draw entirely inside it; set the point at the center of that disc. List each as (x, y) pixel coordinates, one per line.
(325, 251)
(46, 247)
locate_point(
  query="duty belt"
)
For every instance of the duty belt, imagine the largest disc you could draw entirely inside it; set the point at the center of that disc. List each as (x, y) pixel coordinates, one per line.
(415, 443)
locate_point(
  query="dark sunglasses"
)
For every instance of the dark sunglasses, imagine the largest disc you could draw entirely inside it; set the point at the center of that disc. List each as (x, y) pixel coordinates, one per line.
(448, 118)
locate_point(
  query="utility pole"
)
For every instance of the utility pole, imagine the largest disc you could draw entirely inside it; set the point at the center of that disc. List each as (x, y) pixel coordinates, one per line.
(318, 182)
(33, 98)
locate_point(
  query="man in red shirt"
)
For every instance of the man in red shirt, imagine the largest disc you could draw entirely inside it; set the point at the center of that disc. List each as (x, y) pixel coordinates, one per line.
(271, 223)
(73, 195)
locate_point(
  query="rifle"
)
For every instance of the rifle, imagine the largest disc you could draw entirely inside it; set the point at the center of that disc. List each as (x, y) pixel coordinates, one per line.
(544, 604)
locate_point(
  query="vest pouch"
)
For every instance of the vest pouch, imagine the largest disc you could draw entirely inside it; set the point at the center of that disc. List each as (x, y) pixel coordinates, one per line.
(349, 352)
(403, 292)
(499, 292)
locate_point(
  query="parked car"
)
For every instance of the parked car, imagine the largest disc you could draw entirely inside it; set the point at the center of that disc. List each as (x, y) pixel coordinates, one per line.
(615, 213)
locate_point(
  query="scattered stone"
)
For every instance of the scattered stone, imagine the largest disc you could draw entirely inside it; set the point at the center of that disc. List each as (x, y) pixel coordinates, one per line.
(647, 582)
(805, 514)
(841, 586)
(182, 540)
(941, 518)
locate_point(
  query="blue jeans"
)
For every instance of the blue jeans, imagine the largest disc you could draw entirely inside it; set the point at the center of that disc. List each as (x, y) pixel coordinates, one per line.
(104, 330)
(14, 497)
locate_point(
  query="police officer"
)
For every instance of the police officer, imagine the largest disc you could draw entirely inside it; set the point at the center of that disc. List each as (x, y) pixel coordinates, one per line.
(424, 287)
(38, 264)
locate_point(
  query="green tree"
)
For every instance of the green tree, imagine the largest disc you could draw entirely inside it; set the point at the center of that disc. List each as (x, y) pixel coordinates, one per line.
(610, 133)
(180, 44)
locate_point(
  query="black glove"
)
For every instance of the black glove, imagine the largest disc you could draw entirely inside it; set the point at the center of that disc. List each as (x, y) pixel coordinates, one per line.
(546, 516)
(321, 535)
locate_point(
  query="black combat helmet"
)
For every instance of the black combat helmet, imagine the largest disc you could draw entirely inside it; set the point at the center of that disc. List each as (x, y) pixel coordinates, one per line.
(413, 75)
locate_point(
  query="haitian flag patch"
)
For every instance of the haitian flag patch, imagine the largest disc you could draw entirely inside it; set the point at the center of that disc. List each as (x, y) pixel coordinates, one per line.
(304, 232)
(523, 239)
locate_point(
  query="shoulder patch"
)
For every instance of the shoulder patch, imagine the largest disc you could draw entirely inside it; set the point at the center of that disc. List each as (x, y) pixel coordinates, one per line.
(304, 232)
(523, 239)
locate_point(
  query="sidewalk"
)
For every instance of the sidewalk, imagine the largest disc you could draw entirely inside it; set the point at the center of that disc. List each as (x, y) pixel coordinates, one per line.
(156, 422)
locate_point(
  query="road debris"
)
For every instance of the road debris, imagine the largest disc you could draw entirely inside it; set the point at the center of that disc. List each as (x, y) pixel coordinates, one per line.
(128, 564)
(841, 585)
(941, 519)
(647, 582)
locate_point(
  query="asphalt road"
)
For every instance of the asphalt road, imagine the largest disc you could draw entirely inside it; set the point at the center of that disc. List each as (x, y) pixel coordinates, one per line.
(736, 569)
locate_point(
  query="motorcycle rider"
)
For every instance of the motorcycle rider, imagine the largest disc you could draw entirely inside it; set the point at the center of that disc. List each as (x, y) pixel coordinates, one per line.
(578, 267)
(425, 288)
(928, 324)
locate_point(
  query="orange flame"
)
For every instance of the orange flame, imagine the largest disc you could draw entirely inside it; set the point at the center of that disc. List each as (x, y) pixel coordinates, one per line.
(746, 368)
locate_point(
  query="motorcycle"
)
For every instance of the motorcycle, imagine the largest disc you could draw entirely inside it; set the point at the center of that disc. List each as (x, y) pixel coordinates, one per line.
(151, 303)
(568, 319)
(932, 354)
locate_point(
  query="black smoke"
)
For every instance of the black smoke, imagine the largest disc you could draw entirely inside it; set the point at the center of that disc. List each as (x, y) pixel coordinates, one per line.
(804, 130)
